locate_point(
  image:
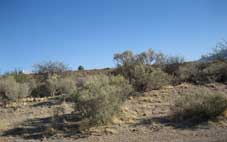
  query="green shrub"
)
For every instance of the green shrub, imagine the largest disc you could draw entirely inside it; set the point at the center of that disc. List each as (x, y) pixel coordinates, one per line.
(157, 79)
(18, 75)
(100, 97)
(202, 73)
(199, 106)
(58, 86)
(41, 90)
(50, 67)
(145, 78)
(80, 68)
(189, 72)
(11, 90)
(148, 78)
(55, 85)
(216, 72)
(218, 53)
(139, 71)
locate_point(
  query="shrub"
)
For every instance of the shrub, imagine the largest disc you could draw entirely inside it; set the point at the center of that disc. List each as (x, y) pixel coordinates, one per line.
(100, 97)
(216, 72)
(11, 90)
(218, 53)
(148, 78)
(157, 79)
(50, 67)
(80, 68)
(172, 64)
(58, 86)
(145, 78)
(18, 75)
(199, 106)
(127, 58)
(189, 72)
(138, 70)
(201, 73)
(54, 86)
(41, 90)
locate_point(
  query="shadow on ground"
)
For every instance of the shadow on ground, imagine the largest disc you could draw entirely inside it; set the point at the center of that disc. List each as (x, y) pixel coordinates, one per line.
(54, 101)
(68, 125)
(170, 121)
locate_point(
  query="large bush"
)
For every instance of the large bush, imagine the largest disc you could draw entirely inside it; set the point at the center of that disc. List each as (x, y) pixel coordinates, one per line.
(54, 85)
(139, 71)
(216, 72)
(81, 68)
(100, 97)
(145, 78)
(58, 86)
(10, 90)
(50, 67)
(218, 53)
(199, 106)
(201, 73)
(18, 75)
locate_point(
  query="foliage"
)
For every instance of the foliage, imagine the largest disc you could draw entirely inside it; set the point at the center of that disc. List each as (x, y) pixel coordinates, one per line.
(11, 90)
(201, 73)
(100, 97)
(219, 53)
(58, 86)
(18, 75)
(199, 106)
(128, 58)
(138, 70)
(80, 68)
(50, 67)
(54, 85)
(41, 90)
(172, 63)
(146, 78)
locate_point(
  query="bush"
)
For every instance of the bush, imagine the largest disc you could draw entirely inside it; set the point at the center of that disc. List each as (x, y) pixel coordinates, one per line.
(41, 90)
(218, 53)
(202, 73)
(145, 78)
(199, 106)
(100, 97)
(58, 86)
(157, 79)
(148, 78)
(11, 90)
(50, 67)
(54, 86)
(138, 70)
(216, 72)
(18, 75)
(80, 68)
(190, 72)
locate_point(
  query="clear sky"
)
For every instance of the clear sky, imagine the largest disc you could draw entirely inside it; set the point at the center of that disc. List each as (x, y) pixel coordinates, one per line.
(89, 32)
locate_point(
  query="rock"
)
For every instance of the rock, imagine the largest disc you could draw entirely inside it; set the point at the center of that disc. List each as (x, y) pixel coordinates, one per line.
(117, 120)
(111, 131)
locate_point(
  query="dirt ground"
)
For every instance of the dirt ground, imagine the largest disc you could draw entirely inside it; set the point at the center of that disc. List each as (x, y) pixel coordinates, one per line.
(143, 118)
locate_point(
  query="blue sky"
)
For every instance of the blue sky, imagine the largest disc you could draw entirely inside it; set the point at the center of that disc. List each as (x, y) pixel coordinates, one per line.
(89, 32)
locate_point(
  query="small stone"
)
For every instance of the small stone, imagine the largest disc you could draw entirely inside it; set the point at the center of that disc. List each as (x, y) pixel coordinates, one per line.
(111, 131)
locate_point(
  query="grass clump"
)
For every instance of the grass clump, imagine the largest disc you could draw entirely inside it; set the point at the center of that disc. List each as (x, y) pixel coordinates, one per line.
(199, 106)
(100, 97)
